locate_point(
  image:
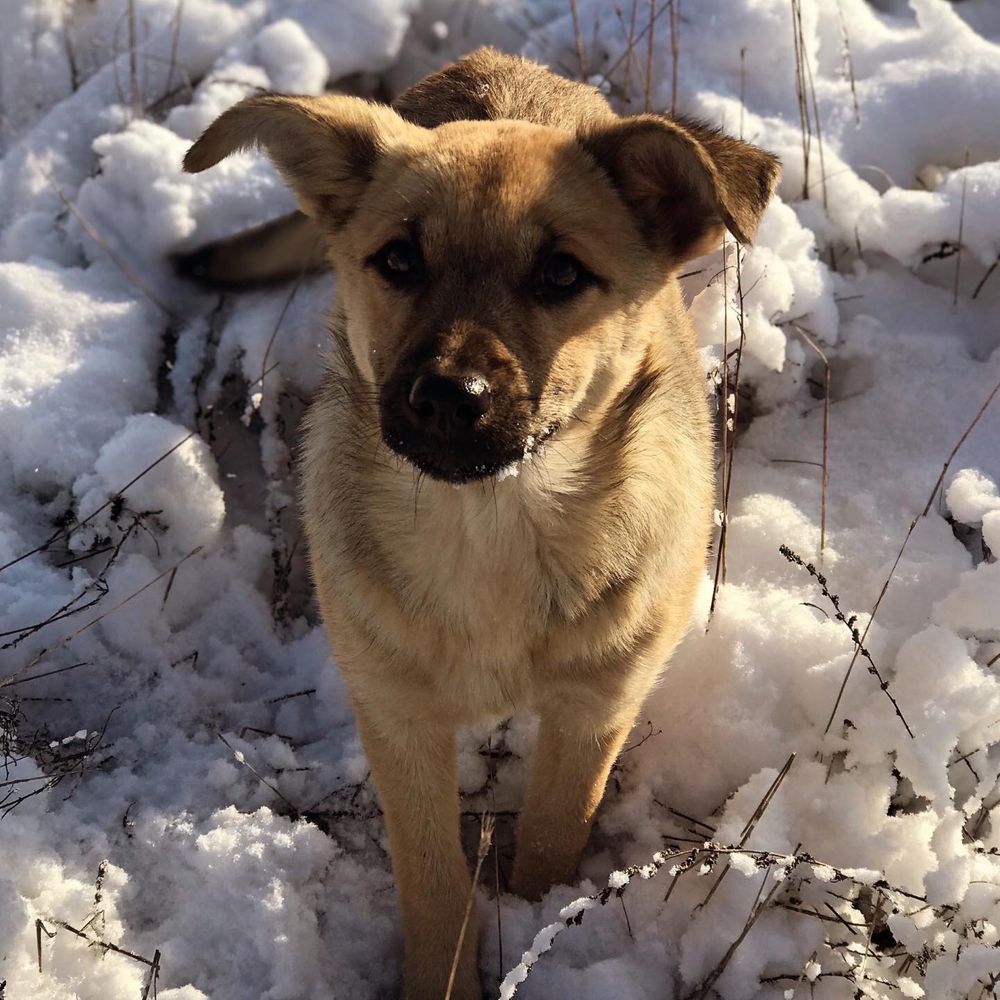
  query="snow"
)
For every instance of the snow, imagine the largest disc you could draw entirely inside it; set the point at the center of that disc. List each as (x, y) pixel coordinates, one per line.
(71, 372)
(179, 610)
(972, 495)
(182, 490)
(292, 62)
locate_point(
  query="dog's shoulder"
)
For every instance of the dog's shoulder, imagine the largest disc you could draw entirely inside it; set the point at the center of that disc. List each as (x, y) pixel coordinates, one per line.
(489, 85)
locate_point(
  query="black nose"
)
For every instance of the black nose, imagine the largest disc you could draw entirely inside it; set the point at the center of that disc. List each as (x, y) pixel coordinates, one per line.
(449, 404)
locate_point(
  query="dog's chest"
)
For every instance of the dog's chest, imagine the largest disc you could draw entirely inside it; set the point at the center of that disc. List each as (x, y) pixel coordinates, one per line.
(482, 567)
(468, 586)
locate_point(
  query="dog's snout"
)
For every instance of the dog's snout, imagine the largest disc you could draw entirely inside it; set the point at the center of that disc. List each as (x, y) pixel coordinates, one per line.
(449, 404)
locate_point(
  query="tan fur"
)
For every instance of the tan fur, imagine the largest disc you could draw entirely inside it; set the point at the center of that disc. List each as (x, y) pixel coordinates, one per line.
(561, 590)
(280, 249)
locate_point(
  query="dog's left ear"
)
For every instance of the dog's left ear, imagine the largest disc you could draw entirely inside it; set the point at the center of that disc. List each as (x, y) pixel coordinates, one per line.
(685, 181)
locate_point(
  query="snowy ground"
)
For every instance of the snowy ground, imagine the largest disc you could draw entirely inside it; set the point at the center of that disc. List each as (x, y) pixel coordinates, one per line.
(192, 783)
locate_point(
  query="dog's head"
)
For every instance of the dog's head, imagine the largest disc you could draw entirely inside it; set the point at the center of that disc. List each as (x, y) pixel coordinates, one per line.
(492, 273)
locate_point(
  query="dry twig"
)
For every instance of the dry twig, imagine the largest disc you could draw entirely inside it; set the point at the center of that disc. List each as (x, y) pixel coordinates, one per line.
(906, 540)
(10, 678)
(681, 860)
(578, 37)
(730, 415)
(485, 840)
(961, 228)
(825, 481)
(859, 646)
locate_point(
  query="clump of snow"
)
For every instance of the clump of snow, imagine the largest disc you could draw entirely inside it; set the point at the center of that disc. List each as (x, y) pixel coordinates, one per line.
(788, 283)
(971, 608)
(971, 495)
(745, 864)
(76, 358)
(291, 60)
(991, 530)
(182, 491)
(160, 613)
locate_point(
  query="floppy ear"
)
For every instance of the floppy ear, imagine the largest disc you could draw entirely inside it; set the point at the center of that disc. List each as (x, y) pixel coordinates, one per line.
(685, 181)
(326, 148)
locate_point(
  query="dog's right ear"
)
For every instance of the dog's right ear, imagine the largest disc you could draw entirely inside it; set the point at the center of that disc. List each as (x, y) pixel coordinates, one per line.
(684, 181)
(326, 148)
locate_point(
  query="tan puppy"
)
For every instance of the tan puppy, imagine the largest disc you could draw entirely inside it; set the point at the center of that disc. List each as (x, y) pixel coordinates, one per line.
(507, 475)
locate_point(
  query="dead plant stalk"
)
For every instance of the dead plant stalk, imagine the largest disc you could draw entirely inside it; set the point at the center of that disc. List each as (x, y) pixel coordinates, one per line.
(825, 481)
(133, 67)
(906, 541)
(485, 840)
(731, 418)
(83, 628)
(961, 228)
(648, 102)
(578, 39)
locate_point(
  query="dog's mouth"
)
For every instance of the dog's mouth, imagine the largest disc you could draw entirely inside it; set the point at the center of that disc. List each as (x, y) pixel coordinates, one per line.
(467, 461)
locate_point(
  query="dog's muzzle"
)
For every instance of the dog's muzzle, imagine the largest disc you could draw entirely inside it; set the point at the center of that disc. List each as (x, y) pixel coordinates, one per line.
(453, 427)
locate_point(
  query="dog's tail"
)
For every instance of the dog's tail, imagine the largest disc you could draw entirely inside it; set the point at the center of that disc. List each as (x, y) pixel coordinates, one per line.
(280, 249)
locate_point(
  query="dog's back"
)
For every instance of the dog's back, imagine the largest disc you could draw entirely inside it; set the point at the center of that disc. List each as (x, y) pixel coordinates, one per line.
(487, 85)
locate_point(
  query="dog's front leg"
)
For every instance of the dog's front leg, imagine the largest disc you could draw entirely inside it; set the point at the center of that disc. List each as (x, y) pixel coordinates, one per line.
(573, 757)
(413, 764)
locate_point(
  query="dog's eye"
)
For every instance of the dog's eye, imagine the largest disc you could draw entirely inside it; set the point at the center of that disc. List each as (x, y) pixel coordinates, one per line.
(399, 262)
(560, 271)
(562, 275)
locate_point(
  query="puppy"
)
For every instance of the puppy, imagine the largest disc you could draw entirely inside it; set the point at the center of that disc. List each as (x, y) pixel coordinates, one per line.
(507, 475)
